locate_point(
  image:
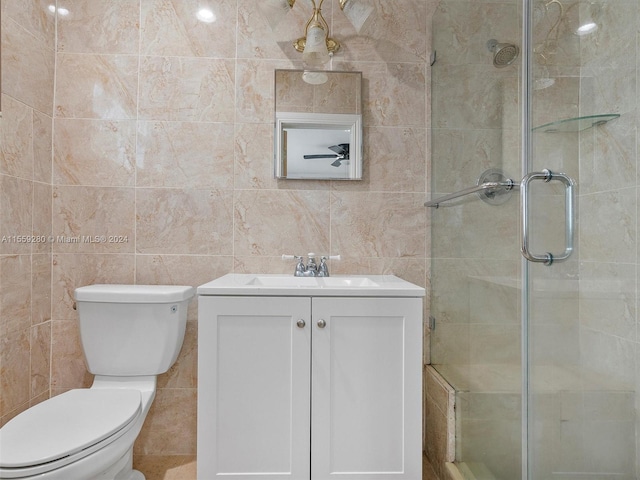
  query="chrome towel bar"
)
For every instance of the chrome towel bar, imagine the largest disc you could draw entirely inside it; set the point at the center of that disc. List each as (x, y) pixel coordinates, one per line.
(489, 189)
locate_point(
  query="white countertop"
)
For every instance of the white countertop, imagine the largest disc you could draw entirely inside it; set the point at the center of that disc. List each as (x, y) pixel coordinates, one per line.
(288, 285)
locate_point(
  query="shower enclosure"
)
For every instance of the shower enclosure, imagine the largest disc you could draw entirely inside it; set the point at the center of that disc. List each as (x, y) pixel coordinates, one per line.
(534, 148)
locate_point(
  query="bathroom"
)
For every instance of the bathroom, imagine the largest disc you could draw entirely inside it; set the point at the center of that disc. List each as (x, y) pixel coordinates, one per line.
(133, 119)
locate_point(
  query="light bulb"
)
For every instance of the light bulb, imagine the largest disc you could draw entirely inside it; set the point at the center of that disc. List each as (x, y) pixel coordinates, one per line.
(587, 28)
(315, 52)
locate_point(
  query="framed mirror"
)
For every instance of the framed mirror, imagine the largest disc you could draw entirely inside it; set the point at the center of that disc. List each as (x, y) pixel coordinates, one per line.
(318, 125)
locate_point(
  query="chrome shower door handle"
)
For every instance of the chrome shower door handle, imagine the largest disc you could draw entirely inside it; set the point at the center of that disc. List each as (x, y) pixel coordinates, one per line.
(547, 176)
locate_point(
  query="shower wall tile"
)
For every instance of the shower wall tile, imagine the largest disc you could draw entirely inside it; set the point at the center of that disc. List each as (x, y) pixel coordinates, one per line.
(613, 211)
(99, 27)
(96, 86)
(94, 152)
(187, 89)
(171, 28)
(185, 154)
(463, 154)
(184, 221)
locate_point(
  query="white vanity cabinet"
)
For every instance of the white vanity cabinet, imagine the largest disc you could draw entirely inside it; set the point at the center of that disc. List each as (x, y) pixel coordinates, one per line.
(309, 387)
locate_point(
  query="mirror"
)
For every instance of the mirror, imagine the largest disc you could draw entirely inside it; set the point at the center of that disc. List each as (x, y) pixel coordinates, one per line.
(318, 125)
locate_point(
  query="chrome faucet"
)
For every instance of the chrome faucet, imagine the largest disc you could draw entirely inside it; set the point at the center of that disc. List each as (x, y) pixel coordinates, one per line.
(312, 269)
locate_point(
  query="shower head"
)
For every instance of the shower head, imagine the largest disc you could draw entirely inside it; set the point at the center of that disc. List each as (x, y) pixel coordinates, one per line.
(503, 53)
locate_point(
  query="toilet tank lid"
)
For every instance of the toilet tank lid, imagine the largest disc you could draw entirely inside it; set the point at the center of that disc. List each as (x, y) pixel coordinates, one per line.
(113, 293)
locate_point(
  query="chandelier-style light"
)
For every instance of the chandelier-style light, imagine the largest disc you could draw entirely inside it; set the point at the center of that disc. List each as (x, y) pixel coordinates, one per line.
(316, 45)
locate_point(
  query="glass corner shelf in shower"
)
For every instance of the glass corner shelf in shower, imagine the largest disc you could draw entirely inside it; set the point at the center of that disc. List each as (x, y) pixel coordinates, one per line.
(576, 124)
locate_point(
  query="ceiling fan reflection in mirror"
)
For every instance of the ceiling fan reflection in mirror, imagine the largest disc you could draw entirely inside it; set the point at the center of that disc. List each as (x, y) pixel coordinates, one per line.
(341, 154)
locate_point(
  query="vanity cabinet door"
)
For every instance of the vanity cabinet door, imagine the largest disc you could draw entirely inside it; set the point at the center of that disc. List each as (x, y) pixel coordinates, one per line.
(253, 388)
(366, 388)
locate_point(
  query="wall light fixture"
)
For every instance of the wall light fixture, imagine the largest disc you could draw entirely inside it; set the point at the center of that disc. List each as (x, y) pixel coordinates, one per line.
(316, 45)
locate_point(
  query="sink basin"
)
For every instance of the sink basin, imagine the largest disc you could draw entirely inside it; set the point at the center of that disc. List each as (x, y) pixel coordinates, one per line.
(348, 282)
(282, 281)
(288, 285)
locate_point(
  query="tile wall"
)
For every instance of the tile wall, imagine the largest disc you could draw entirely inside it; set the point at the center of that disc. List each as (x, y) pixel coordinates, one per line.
(140, 122)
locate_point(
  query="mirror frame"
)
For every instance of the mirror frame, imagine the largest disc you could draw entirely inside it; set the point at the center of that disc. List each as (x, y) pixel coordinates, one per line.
(330, 121)
(309, 108)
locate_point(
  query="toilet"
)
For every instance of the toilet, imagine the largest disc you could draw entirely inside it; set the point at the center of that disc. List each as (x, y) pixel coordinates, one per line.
(130, 334)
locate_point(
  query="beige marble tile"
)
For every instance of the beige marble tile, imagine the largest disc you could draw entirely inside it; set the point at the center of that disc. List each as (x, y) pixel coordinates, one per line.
(187, 89)
(191, 270)
(70, 271)
(42, 195)
(184, 221)
(15, 296)
(300, 223)
(257, 40)
(68, 368)
(180, 29)
(96, 86)
(40, 288)
(99, 27)
(27, 67)
(14, 381)
(378, 224)
(395, 32)
(166, 467)
(613, 211)
(16, 139)
(185, 154)
(255, 91)
(16, 214)
(40, 359)
(170, 427)
(35, 17)
(394, 94)
(42, 147)
(94, 152)
(93, 219)
(394, 159)
(184, 372)
(254, 156)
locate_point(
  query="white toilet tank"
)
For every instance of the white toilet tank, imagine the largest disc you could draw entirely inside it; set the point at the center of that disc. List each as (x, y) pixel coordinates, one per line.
(132, 330)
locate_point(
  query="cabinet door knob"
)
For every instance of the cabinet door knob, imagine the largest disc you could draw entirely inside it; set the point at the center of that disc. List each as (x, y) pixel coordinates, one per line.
(300, 323)
(322, 323)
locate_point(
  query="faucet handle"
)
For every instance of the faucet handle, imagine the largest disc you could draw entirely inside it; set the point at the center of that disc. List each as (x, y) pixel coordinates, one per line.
(300, 268)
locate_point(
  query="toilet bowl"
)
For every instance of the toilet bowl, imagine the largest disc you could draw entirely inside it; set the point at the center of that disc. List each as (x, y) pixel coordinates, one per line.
(88, 434)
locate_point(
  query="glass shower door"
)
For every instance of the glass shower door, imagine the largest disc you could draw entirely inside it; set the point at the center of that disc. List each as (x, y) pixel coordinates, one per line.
(581, 314)
(476, 266)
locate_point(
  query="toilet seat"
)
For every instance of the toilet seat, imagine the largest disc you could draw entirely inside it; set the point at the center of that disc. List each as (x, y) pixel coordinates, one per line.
(65, 428)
